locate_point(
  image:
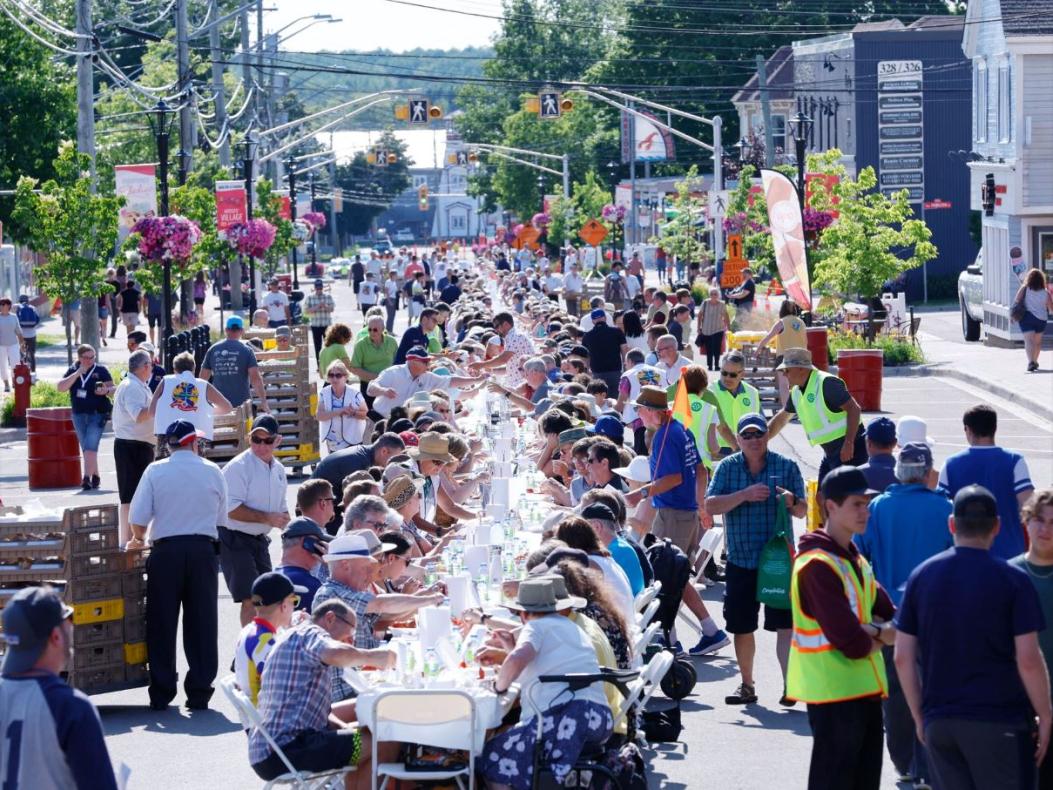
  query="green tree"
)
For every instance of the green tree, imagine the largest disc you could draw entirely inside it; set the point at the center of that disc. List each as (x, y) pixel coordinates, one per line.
(270, 210)
(875, 237)
(568, 216)
(74, 228)
(681, 234)
(37, 94)
(373, 187)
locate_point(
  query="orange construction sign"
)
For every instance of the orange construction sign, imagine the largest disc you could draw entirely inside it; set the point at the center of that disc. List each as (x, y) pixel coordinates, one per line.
(731, 275)
(527, 237)
(593, 233)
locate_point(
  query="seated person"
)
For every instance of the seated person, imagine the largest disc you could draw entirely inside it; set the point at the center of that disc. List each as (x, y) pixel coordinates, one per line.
(275, 598)
(548, 644)
(577, 533)
(295, 693)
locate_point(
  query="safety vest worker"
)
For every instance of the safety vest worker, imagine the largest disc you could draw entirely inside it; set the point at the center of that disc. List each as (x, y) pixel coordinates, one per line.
(841, 623)
(735, 397)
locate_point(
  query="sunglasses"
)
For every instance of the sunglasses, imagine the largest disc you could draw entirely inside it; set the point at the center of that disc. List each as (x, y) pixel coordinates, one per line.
(295, 600)
(264, 440)
(377, 524)
(335, 376)
(375, 329)
(344, 620)
(751, 435)
(730, 374)
(594, 460)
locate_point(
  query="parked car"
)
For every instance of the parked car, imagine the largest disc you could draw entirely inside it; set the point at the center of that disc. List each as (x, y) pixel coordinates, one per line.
(404, 236)
(382, 246)
(971, 298)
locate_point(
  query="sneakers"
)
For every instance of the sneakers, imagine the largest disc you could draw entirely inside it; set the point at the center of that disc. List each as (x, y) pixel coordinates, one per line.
(95, 481)
(1032, 366)
(85, 484)
(713, 572)
(710, 644)
(744, 695)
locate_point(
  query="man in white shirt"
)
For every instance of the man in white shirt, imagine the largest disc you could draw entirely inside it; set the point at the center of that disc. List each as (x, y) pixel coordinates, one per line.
(367, 292)
(396, 385)
(256, 486)
(552, 284)
(373, 266)
(276, 303)
(134, 443)
(573, 285)
(670, 360)
(518, 348)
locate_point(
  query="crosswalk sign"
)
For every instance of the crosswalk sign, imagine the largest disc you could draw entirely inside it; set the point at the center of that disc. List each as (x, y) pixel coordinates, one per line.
(418, 111)
(549, 102)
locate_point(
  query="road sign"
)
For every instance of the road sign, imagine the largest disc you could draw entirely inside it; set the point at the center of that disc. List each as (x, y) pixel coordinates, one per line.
(718, 204)
(937, 204)
(734, 264)
(527, 237)
(418, 111)
(593, 233)
(550, 101)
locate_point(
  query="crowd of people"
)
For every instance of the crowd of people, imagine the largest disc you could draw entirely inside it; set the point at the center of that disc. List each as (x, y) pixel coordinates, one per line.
(914, 613)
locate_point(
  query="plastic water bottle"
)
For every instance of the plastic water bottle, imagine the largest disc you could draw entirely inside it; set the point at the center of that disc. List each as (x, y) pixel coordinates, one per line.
(432, 664)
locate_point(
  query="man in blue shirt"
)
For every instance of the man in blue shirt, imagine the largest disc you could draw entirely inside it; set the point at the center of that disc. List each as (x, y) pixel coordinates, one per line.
(907, 525)
(880, 466)
(605, 524)
(417, 335)
(675, 488)
(52, 733)
(745, 489)
(972, 621)
(1002, 472)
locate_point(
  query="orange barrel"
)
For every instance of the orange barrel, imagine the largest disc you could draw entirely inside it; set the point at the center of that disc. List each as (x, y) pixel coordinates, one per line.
(819, 346)
(54, 452)
(860, 369)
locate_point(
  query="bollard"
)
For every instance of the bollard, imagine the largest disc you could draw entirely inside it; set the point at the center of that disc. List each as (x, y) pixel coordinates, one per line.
(23, 384)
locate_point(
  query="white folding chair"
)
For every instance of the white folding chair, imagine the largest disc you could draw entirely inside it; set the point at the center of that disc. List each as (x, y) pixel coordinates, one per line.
(250, 720)
(710, 543)
(644, 687)
(647, 594)
(644, 639)
(415, 717)
(648, 614)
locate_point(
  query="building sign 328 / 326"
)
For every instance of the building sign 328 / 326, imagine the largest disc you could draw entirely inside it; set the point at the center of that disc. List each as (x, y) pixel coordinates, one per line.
(901, 145)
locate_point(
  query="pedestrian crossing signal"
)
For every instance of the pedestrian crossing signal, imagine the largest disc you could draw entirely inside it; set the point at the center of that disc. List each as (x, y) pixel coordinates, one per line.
(402, 112)
(473, 158)
(550, 105)
(566, 105)
(418, 111)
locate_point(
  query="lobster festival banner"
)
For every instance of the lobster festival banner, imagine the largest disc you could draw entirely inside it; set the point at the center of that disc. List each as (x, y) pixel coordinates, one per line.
(231, 204)
(138, 186)
(787, 233)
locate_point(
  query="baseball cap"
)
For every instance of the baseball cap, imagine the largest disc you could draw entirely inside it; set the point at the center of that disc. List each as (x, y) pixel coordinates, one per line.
(600, 511)
(376, 548)
(972, 502)
(29, 618)
(913, 429)
(558, 556)
(319, 284)
(23, 299)
(235, 322)
(915, 453)
(409, 438)
(182, 432)
(283, 331)
(273, 587)
(304, 527)
(751, 421)
(419, 353)
(148, 347)
(882, 430)
(572, 435)
(796, 358)
(266, 423)
(611, 427)
(597, 315)
(846, 481)
(348, 547)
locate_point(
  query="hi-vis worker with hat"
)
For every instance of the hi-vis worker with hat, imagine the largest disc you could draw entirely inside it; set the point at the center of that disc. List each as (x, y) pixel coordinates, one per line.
(735, 398)
(841, 620)
(828, 413)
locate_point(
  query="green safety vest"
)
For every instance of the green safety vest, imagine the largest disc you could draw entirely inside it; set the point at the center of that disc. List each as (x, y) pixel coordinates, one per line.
(818, 672)
(701, 417)
(821, 424)
(733, 407)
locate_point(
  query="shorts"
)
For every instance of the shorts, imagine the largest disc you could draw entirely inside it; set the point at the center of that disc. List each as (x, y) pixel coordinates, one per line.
(131, 458)
(680, 526)
(130, 320)
(153, 320)
(242, 557)
(104, 313)
(741, 608)
(89, 427)
(199, 301)
(314, 752)
(1032, 323)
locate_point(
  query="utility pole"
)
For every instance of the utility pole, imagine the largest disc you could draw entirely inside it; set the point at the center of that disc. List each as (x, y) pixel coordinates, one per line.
(333, 234)
(183, 87)
(217, 84)
(246, 63)
(762, 90)
(291, 167)
(89, 324)
(566, 176)
(314, 242)
(261, 95)
(632, 177)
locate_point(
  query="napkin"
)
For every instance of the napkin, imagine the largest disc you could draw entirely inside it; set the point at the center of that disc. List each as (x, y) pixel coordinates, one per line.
(482, 535)
(476, 557)
(433, 623)
(502, 449)
(497, 511)
(458, 590)
(500, 490)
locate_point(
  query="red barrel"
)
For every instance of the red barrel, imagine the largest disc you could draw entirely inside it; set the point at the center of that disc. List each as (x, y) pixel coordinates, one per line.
(860, 369)
(819, 346)
(54, 452)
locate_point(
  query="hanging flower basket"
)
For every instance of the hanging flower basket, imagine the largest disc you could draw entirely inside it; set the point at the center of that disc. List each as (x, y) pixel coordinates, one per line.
(169, 238)
(613, 213)
(252, 238)
(540, 220)
(302, 230)
(314, 219)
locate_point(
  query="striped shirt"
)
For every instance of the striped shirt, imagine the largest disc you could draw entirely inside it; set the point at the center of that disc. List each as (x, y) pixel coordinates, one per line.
(319, 309)
(365, 638)
(254, 645)
(294, 694)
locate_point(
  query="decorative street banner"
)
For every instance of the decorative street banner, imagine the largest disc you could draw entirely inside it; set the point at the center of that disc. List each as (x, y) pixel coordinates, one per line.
(285, 208)
(787, 234)
(137, 185)
(231, 208)
(303, 203)
(652, 143)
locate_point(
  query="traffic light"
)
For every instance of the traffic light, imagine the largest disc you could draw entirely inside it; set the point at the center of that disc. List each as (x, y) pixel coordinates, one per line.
(434, 113)
(473, 158)
(422, 197)
(566, 105)
(392, 158)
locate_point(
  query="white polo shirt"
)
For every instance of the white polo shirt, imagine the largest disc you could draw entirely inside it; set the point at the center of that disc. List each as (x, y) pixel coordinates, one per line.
(253, 483)
(132, 396)
(399, 378)
(671, 374)
(275, 302)
(180, 495)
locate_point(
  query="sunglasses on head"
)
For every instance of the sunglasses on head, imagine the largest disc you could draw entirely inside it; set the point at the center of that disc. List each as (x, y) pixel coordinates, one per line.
(264, 439)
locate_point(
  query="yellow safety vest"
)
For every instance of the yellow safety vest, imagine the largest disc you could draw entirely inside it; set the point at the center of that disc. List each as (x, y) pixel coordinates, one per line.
(794, 334)
(821, 424)
(818, 672)
(732, 407)
(701, 417)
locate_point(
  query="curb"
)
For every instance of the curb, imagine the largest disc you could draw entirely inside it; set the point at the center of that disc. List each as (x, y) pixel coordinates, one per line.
(1045, 411)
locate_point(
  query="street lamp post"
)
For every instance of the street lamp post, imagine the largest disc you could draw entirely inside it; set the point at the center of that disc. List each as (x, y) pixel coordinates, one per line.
(246, 162)
(290, 168)
(161, 132)
(183, 156)
(314, 241)
(801, 125)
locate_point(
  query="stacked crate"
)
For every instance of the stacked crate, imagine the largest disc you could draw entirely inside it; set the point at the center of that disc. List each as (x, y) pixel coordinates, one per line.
(759, 371)
(293, 400)
(230, 434)
(78, 553)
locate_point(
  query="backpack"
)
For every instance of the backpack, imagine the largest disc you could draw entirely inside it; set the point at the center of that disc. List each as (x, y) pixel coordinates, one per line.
(28, 317)
(615, 290)
(673, 569)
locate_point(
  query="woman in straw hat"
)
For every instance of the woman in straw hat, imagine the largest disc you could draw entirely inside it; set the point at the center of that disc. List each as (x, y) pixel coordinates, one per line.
(548, 644)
